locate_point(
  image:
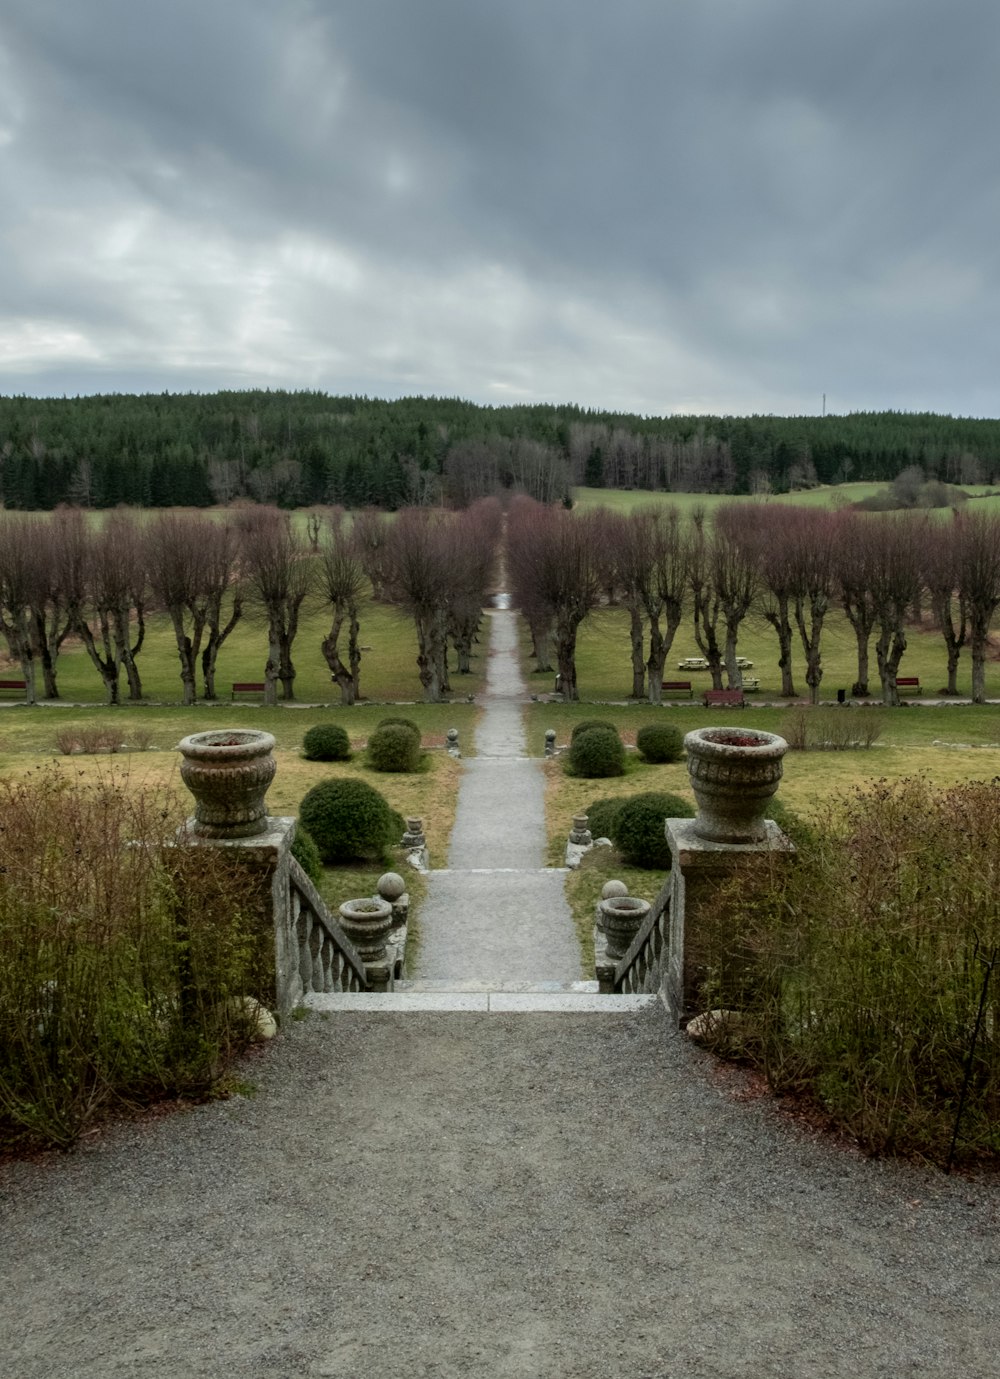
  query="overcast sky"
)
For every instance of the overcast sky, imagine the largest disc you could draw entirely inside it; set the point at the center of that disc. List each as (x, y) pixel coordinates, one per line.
(645, 205)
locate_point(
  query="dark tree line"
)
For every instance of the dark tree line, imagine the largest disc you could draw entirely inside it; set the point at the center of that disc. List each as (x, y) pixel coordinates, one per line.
(306, 448)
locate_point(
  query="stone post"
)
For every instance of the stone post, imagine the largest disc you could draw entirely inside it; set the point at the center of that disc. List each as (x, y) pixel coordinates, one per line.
(550, 742)
(698, 868)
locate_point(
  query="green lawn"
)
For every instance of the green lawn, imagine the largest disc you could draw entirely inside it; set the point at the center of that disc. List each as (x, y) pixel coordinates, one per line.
(829, 495)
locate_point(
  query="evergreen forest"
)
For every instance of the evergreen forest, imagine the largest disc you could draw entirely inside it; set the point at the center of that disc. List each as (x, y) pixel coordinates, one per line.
(295, 449)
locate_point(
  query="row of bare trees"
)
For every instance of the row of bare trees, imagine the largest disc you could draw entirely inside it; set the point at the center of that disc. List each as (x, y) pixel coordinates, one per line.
(789, 566)
(64, 575)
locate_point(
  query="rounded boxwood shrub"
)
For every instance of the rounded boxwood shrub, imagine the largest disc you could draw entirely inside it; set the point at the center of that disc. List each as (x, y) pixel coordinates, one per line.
(326, 742)
(306, 853)
(596, 752)
(394, 747)
(399, 722)
(638, 828)
(601, 817)
(348, 819)
(587, 725)
(660, 742)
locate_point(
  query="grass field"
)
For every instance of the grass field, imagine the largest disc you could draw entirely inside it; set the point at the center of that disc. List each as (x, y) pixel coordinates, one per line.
(827, 496)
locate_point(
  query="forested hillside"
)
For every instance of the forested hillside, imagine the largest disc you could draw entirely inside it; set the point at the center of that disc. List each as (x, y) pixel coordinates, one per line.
(296, 449)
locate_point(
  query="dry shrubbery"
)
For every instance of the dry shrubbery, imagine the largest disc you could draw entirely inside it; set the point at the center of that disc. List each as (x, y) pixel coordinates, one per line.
(832, 730)
(121, 948)
(91, 739)
(862, 968)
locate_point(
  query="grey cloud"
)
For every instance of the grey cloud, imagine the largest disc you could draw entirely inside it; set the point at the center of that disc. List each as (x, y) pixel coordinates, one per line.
(770, 199)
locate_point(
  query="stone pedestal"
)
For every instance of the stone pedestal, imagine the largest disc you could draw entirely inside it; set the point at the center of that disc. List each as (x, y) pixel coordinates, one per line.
(698, 868)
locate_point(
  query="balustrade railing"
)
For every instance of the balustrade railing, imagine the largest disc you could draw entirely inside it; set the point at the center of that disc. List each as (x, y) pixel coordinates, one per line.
(327, 960)
(641, 970)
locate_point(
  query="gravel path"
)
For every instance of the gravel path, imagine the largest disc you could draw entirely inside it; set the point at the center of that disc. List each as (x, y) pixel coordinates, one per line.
(467, 1195)
(495, 913)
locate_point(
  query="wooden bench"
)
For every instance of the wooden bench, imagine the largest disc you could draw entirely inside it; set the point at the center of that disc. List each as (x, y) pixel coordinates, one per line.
(13, 685)
(247, 687)
(677, 687)
(723, 699)
(910, 682)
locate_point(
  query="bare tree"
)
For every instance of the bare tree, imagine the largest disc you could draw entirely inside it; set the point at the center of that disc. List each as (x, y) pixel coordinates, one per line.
(664, 592)
(474, 545)
(50, 620)
(767, 528)
(371, 533)
(811, 542)
(419, 578)
(723, 577)
(17, 580)
(979, 587)
(853, 550)
(561, 571)
(278, 575)
(526, 520)
(191, 561)
(894, 549)
(342, 582)
(941, 570)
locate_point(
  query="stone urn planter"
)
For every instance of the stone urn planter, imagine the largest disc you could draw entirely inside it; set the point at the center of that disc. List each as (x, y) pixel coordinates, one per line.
(228, 773)
(734, 773)
(621, 920)
(367, 924)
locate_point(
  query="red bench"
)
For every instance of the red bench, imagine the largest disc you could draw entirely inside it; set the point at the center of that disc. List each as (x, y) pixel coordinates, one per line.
(13, 685)
(723, 699)
(677, 687)
(910, 682)
(247, 687)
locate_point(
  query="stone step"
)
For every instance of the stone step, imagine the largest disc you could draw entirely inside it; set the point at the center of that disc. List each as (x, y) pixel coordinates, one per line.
(510, 998)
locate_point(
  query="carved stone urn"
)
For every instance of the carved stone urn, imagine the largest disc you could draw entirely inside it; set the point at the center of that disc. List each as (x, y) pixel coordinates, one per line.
(367, 924)
(228, 772)
(734, 773)
(621, 920)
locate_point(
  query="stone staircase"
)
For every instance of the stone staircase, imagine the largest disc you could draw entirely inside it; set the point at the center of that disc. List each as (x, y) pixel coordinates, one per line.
(484, 997)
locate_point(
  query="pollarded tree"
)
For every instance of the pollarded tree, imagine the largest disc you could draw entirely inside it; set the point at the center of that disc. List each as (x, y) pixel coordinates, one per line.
(278, 575)
(419, 577)
(527, 521)
(894, 549)
(979, 586)
(625, 550)
(723, 576)
(765, 528)
(341, 581)
(18, 543)
(175, 546)
(99, 577)
(853, 549)
(474, 543)
(371, 533)
(811, 541)
(50, 621)
(940, 566)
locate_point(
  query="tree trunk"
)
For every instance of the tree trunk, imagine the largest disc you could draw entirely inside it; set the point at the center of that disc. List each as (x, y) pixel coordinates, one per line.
(638, 660)
(780, 621)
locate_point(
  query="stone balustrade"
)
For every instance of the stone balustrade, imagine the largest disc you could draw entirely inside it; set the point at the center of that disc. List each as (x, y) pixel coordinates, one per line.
(327, 961)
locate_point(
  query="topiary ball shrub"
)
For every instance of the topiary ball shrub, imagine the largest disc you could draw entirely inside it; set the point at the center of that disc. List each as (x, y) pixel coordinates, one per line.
(601, 816)
(660, 742)
(326, 742)
(399, 722)
(595, 753)
(394, 747)
(348, 819)
(306, 853)
(587, 725)
(638, 830)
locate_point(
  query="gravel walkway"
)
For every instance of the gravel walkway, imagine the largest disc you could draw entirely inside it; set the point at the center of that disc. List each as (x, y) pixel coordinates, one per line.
(468, 1195)
(496, 913)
